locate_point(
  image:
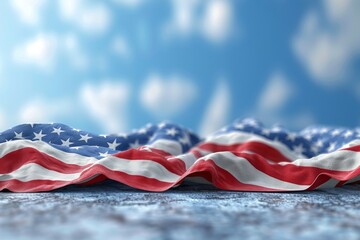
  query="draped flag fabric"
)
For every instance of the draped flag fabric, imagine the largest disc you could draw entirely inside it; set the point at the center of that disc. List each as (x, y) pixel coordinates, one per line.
(244, 156)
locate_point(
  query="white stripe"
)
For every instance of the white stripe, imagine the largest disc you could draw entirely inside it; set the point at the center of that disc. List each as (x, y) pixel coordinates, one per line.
(243, 137)
(202, 151)
(146, 168)
(353, 143)
(68, 158)
(172, 147)
(33, 171)
(331, 183)
(341, 160)
(246, 173)
(188, 158)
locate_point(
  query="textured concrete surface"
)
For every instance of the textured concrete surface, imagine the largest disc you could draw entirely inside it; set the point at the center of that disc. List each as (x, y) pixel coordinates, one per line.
(114, 211)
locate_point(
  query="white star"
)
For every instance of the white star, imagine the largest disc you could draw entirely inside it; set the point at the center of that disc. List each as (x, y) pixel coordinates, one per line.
(319, 143)
(142, 131)
(250, 122)
(299, 149)
(136, 144)
(76, 129)
(331, 147)
(239, 125)
(185, 139)
(308, 136)
(348, 133)
(314, 149)
(315, 131)
(335, 132)
(18, 135)
(172, 132)
(76, 148)
(265, 131)
(39, 136)
(84, 138)
(103, 135)
(291, 136)
(113, 145)
(66, 143)
(276, 129)
(324, 130)
(105, 154)
(162, 125)
(58, 131)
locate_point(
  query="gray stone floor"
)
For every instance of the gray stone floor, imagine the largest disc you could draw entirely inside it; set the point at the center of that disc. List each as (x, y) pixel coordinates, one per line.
(114, 211)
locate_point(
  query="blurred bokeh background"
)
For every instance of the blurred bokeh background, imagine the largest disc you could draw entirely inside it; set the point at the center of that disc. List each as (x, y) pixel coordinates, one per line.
(110, 66)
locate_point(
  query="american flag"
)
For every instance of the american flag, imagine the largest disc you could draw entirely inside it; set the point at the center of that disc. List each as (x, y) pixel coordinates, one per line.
(244, 156)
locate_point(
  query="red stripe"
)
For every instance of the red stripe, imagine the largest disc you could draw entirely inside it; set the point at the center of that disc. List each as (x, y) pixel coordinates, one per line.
(302, 175)
(196, 152)
(355, 148)
(319, 180)
(262, 149)
(15, 185)
(341, 183)
(173, 165)
(14, 160)
(95, 180)
(136, 181)
(221, 178)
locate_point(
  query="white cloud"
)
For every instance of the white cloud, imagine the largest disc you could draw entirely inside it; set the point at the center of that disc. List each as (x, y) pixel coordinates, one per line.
(215, 22)
(120, 46)
(39, 51)
(184, 17)
(165, 97)
(43, 111)
(44, 49)
(130, 3)
(218, 109)
(328, 41)
(93, 18)
(107, 104)
(28, 10)
(275, 94)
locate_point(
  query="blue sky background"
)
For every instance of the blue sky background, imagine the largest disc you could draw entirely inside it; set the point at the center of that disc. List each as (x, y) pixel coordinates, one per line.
(110, 66)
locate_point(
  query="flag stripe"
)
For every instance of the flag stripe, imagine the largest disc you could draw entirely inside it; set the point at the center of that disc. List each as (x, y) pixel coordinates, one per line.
(270, 153)
(44, 157)
(234, 138)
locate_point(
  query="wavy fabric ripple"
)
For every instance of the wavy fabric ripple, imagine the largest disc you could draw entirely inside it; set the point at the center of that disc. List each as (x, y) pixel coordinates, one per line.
(244, 156)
